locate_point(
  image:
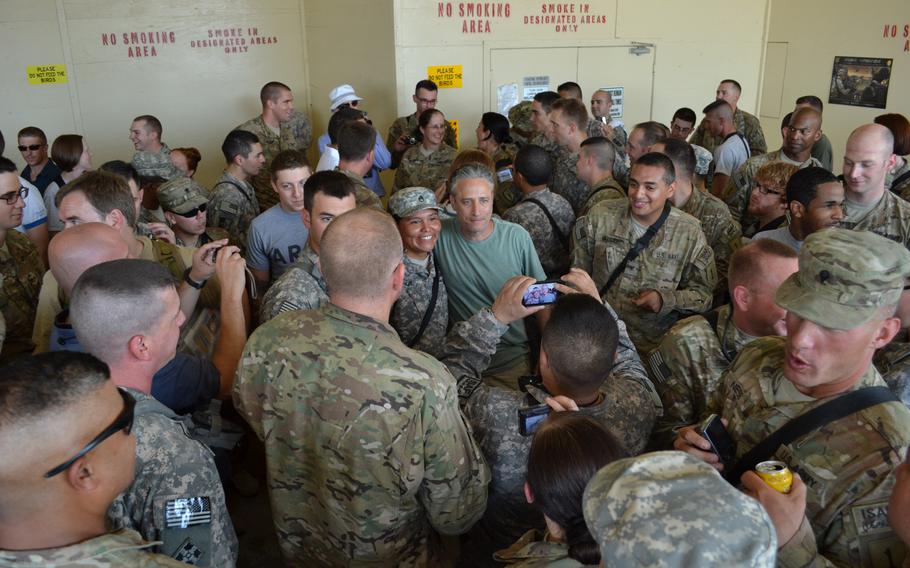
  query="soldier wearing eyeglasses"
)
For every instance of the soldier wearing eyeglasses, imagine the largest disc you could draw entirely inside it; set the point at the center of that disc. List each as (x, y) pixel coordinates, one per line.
(20, 266)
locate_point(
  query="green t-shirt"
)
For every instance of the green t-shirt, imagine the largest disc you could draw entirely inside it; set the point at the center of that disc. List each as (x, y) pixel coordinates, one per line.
(474, 272)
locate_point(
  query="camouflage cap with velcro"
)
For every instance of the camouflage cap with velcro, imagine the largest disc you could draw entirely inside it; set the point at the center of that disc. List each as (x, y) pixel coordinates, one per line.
(181, 195)
(844, 278)
(671, 509)
(410, 200)
(703, 159)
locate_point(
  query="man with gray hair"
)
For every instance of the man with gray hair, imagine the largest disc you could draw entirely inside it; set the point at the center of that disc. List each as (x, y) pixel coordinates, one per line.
(478, 253)
(389, 460)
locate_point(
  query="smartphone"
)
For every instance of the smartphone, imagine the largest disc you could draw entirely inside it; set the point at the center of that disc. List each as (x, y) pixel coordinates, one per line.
(603, 119)
(529, 418)
(722, 444)
(541, 294)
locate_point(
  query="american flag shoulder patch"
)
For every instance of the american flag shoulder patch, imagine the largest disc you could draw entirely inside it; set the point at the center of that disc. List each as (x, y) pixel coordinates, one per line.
(186, 512)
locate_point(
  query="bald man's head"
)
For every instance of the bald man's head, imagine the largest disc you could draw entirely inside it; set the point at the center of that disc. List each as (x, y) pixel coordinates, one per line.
(81, 247)
(867, 159)
(802, 132)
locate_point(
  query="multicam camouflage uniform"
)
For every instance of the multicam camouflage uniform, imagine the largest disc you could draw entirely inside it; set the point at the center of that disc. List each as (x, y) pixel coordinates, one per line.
(565, 179)
(678, 264)
(295, 134)
(670, 509)
(158, 164)
(301, 287)
(506, 194)
(408, 312)
(520, 118)
(739, 186)
(409, 124)
(121, 548)
(903, 187)
(746, 124)
(172, 468)
(721, 231)
(607, 188)
(367, 450)
(686, 369)
(553, 253)
(364, 196)
(420, 170)
(232, 207)
(890, 218)
(22, 272)
(893, 362)
(628, 409)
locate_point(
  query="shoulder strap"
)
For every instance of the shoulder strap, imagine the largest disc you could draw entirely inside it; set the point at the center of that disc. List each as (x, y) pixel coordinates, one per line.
(639, 247)
(564, 241)
(814, 419)
(427, 315)
(896, 182)
(237, 185)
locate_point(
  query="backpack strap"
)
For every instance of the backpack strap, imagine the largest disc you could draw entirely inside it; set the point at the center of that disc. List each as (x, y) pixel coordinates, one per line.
(639, 247)
(564, 241)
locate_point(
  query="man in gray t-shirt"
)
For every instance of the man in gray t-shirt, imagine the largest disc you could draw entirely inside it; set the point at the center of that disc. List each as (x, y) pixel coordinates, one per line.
(733, 152)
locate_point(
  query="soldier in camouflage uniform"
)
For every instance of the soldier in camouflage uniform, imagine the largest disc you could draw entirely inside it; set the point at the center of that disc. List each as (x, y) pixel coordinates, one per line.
(669, 509)
(326, 195)
(416, 213)
(568, 118)
(840, 305)
(687, 365)
(893, 362)
(356, 141)
(746, 124)
(152, 157)
(869, 206)
(673, 277)
(278, 128)
(184, 204)
(233, 204)
(51, 405)
(427, 163)
(596, 159)
(533, 169)
(602, 125)
(623, 400)
(801, 134)
(404, 131)
(520, 119)
(20, 266)
(494, 139)
(389, 459)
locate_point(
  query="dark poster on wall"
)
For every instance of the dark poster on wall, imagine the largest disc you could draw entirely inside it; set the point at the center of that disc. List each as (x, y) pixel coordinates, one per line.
(860, 81)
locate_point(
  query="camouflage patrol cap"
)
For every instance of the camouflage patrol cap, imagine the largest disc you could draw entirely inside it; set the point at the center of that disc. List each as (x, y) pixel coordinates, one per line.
(671, 509)
(520, 119)
(181, 195)
(410, 200)
(703, 159)
(844, 277)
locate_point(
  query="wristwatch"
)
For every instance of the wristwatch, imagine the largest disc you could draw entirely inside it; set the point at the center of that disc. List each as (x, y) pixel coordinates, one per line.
(191, 282)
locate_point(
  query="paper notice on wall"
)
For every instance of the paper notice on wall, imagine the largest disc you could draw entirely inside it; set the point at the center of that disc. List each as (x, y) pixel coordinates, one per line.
(507, 97)
(46, 74)
(445, 76)
(616, 93)
(533, 85)
(454, 125)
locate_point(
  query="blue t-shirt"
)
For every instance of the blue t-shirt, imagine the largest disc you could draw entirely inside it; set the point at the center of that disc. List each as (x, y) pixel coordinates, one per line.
(276, 240)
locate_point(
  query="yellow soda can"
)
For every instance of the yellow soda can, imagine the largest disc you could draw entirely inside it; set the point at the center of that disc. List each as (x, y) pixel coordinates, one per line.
(776, 474)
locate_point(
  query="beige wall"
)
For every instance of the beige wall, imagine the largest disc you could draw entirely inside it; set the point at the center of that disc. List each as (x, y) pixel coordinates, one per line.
(807, 35)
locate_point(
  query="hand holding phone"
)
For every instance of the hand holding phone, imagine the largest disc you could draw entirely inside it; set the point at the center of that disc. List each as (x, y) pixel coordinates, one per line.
(722, 444)
(541, 294)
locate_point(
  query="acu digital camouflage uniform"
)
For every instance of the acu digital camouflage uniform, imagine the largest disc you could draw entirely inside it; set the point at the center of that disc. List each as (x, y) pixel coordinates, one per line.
(746, 124)
(364, 196)
(112, 550)
(670, 509)
(628, 409)
(301, 287)
(295, 134)
(686, 368)
(721, 231)
(890, 218)
(678, 264)
(619, 140)
(232, 207)
(409, 124)
(893, 362)
(506, 194)
(408, 311)
(22, 272)
(367, 451)
(536, 548)
(419, 170)
(739, 186)
(552, 249)
(565, 180)
(521, 129)
(170, 467)
(607, 188)
(149, 164)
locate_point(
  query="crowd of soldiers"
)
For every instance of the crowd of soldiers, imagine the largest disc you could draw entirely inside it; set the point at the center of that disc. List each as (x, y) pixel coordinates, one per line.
(568, 346)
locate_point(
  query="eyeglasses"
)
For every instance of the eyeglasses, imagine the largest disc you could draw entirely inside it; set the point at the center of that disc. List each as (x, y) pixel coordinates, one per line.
(194, 211)
(765, 190)
(123, 422)
(31, 147)
(12, 197)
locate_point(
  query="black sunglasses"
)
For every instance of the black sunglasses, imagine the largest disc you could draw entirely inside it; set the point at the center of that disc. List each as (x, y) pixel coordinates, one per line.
(123, 422)
(31, 147)
(194, 211)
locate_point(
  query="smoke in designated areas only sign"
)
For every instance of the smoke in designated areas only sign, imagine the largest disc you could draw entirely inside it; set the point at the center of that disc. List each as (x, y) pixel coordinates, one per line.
(445, 76)
(46, 74)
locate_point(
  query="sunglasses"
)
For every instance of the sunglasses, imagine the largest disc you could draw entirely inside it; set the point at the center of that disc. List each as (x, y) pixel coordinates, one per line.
(31, 147)
(12, 197)
(194, 211)
(123, 422)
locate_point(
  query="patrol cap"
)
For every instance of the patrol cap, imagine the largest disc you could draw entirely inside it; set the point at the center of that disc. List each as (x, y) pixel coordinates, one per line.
(703, 159)
(410, 200)
(181, 195)
(671, 509)
(342, 94)
(844, 277)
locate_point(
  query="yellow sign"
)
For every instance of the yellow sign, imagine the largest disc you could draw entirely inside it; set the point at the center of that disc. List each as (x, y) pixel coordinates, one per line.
(44, 74)
(445, 76)
(454, 125)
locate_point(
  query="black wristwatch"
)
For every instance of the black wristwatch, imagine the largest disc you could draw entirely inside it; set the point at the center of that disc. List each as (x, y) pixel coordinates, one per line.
(191, 282)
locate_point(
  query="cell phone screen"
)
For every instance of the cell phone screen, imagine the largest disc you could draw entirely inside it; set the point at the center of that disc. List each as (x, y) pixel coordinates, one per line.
(540, 294)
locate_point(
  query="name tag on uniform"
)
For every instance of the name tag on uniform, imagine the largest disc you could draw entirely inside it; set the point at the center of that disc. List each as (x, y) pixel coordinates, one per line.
(504, 175)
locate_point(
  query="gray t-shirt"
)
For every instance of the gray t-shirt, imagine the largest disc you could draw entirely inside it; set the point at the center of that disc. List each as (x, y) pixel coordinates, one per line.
(730, 155)
(275, 240)
(781, 235)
